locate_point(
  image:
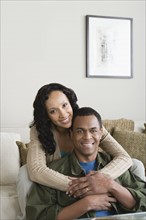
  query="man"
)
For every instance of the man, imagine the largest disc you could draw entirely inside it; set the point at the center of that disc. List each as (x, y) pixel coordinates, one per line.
(126, 194)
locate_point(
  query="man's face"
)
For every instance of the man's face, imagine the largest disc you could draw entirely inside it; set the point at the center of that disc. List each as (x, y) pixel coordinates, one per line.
(86, 135)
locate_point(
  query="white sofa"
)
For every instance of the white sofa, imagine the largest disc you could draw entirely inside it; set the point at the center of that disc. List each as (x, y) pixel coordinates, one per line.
(9, 168)
(10, 164)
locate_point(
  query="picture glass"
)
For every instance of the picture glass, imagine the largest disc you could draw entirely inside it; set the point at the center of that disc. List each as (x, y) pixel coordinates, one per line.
(109, 47)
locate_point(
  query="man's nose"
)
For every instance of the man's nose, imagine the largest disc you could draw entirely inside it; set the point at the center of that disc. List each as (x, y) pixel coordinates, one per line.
(87, 135)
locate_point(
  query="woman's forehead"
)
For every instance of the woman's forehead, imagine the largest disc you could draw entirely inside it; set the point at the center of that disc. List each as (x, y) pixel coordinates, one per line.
(56, 98)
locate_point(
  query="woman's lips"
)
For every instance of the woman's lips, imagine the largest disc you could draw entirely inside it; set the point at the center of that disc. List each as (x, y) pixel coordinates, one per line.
(65, 121)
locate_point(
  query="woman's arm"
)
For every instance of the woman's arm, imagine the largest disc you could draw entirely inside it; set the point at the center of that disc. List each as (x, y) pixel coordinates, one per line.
(37, 168)
(121, 159)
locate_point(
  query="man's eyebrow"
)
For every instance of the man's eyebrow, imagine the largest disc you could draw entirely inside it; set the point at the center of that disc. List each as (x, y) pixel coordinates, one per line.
(79, 128)
(93, 128)
(85, 128)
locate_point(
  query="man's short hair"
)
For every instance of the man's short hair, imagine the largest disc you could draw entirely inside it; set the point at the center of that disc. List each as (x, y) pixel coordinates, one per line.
(87, 111)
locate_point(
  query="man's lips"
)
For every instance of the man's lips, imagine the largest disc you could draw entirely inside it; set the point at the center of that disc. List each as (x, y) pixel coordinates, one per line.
(89, 144)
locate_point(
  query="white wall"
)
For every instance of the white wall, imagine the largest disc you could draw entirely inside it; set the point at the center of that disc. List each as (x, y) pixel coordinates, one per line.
(44, 41)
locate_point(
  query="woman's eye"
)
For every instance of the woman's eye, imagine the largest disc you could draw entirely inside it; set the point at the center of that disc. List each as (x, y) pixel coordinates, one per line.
(65, 104)
(52, 112)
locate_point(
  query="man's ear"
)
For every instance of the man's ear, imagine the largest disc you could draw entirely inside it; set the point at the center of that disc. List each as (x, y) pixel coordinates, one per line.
(101, 132)
(70, 133)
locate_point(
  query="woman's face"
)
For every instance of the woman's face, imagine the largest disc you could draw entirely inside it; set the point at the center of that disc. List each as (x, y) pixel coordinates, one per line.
(59, 109)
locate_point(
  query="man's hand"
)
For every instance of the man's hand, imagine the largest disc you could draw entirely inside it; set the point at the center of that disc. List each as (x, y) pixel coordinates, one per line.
(100, 202)
(82, 206)
(91, 184)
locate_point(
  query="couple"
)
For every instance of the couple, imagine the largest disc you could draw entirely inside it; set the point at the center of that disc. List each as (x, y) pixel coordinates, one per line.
(54, 106)
(125, 194)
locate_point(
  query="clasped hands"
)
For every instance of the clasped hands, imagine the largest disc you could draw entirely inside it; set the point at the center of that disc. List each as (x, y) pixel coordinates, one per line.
(93, 183)
(95, 186)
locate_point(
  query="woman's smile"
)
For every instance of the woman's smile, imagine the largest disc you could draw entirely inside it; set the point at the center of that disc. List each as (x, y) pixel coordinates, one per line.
(65, 120)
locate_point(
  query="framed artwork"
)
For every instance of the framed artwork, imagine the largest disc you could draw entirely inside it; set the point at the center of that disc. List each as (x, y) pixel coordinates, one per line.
(109, 47)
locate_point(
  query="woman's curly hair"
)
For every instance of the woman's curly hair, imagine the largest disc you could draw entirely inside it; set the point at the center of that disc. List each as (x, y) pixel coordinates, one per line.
(41, 120)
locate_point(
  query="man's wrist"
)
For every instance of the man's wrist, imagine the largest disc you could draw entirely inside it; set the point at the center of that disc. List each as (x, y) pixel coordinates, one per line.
(112, 187)
(87, 203)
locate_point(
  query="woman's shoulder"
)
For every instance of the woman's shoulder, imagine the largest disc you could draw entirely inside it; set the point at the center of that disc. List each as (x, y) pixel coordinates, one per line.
(33, 129)
(33, 133)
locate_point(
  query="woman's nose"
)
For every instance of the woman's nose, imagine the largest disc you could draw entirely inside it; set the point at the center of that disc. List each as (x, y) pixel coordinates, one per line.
(62, 113)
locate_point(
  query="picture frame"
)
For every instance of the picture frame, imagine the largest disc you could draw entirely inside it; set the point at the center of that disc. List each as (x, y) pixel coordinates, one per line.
(109, 47)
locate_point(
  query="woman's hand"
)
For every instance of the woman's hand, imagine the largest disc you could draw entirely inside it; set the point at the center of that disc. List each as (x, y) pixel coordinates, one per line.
(93, 183)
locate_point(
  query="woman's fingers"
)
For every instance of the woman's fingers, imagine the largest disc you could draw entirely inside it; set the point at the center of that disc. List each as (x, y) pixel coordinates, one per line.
(81, 192)
(91, 184)
(82, 186)
(78, 187)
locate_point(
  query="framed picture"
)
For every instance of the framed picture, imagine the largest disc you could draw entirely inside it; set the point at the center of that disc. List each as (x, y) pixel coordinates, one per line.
(109, 47)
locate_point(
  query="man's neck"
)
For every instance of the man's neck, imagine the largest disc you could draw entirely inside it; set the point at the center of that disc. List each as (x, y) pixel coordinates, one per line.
(86, 158)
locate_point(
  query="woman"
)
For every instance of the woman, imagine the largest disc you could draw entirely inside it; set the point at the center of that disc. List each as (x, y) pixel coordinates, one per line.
(49, 140)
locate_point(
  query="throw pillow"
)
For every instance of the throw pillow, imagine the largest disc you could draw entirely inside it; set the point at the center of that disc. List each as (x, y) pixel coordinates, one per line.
(23, 149)
(145, 128)
(124, 124)
(133, 142)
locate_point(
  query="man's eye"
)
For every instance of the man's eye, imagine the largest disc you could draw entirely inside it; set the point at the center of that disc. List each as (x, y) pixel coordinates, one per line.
(79, 131)
(94, 131)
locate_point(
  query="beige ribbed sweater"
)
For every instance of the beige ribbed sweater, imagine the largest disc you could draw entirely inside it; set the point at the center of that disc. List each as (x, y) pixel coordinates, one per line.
(40, 173)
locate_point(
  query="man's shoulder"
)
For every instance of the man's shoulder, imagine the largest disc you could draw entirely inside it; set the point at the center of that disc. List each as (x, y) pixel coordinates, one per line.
(104, 156)
(60, 163)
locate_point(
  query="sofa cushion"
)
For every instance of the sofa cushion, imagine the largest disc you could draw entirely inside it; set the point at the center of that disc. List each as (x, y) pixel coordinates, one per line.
(133, 142)
(23, 149)
(9, 158)
(9, 202)
(122, 123)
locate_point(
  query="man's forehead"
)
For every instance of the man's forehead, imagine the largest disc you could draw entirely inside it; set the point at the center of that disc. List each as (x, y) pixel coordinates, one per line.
(84, 121)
